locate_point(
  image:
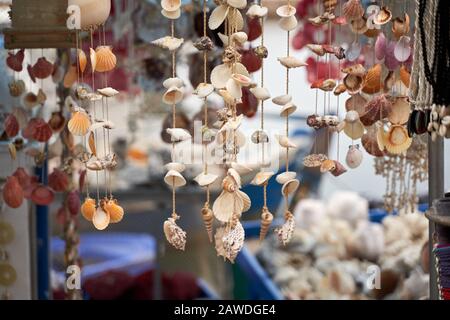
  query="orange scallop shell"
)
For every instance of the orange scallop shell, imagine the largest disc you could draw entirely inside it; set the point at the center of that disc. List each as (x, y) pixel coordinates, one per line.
(405, 76)
(71, 77)
(82, 60)
(115, 211)
(79, 123)
(88, 209)
(396, 140)
(372, 81)
(106, 60)
(12, 192)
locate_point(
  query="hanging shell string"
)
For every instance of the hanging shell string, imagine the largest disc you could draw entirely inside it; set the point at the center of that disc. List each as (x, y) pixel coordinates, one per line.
(287, 92)
(262, 101)
(174, 117)
(205, 104)
(95, 115)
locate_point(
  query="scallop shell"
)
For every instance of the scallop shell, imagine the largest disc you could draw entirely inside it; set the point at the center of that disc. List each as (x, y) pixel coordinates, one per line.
(16, 88)
(42, 131)
(204, 89)
(173, 15)
(82, 60)
(226, 204)
(173, 95)
(218, 16)
(400, 26)
(12, 192)
(11, 126)
(339, 169)
(354, 130)
(286, 176)
(101, 219)
(288, 109)
(42, 195)
(115, 211)
(168, 43)
(79, 124)
(42, 68)
(266, 221)
(354, 156)
(106, 60)
(327, 166)
(290, 187)
(282, 100)
(359, 26)
(88, 209)
(260, 93)
(356, 70)
(291, 62)
(108, 92)
(288, 23)
(380, 46)
(257, 11)
(58, 180)
(372, 81)
(405, 76)
(70, 77)
(174, 179)
(353, 83)
(285, 142)
(178, 167)
(400, 111)
(262, 178)
(376, 109)
(15, 60)
(397, 140)
(370, 143)
(220, 75)
(205, 179)
(317, 49)
(170, 5)
(383, 16)
(352, 10)
(178, 134)
(356, 102)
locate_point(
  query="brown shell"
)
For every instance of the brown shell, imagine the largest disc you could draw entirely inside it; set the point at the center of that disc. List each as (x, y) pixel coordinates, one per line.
(405, 76)
(327, 166)
(329, 5)
(376, 109)
(356, 102)
(372, 81)
(389, 81)
(356, 70)
(57, 121)
(42, 68)
(339, 169)
(400, 26)
(372, 33)
(266, 221)
(208, 219)
(353, 83)
(369, 142)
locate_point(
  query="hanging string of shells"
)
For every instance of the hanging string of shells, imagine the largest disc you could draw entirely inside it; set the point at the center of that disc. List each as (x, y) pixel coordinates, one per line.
(8, 274)
(90, 116)
(171, 9)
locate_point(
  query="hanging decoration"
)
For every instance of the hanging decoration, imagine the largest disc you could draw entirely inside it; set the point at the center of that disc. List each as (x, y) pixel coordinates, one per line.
(8, 274)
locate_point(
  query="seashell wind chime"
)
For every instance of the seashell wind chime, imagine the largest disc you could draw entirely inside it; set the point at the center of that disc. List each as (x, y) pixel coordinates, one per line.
(90, 119)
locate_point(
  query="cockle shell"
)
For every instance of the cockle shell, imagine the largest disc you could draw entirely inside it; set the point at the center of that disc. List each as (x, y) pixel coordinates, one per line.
(353, 83)
(204, 89)
(88, 209)
(400, 26)
(114, 210)
(353, 10)
(327, 166)
(372, 81)
(11, 126)
(178, 134)
(288, 109)
(282, 100)
(106, 60)
(400, 111)
(13, 192)
(41, 131)
(260, 93)
(284, 141)
(174, 179)
(354, 156)
(266, 221)
(101, 219)
(291, 62)
(42, 68)
(205, 179)
(173, 95)
(79, 124)
(168, 43)
(178, 167)
(288, 23)
(108, 92)
(218, 16)
(383, 16)
(257, 11)
(356, 102)
(262, 178)
(42, 195)
(23, 177)
(15, 60)
(16, 88)
(82, 60)
(58, 180)
(396, 140)
(286, 176)
(290, 187)
(376, 109)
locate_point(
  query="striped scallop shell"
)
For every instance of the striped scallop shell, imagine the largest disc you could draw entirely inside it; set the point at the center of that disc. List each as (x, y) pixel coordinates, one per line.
(79, 123)
(106, 60)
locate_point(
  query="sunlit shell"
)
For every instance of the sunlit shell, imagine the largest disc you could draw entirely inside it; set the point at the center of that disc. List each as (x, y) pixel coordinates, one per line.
(286, 176)
(291, 62)
(58, 180)
(42, 68)
(42, 195)
(101, 219)
(405, 76)
(354, 156)
(88, 209)
(42, 131)
(352, 10)
(178, 167)
(356, 102)
(397, 140)
(376, 109)
(400, 111)
(79, 123)
(400, 26)
(114, 210)
(257, 11)
(108, 92)
(260, 93)
(262, 178)
(168, 43)
(370, 143)
(383, 16)
(288, 23)
(13, 192)
(70, 77)
(16, 88)
(205, 179)
(327, 166)
(11, 126)
(282, 100)
(266, 221)
(218, 16)
(174, 179)
(173, 95)
(353, 83)
(82, 60)
(339, 169)
(372, 81)
(290, 187)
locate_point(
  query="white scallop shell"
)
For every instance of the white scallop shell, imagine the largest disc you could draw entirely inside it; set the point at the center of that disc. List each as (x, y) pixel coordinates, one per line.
(260, 93)
(170, 5)
(290, 187)
(218, 16)
(204, 179)
(101, 219)
(220, 75)
(178, 167)
(108, 92)
(226, 204)
(173, 82)
(262, 177)
(247, 203)
(288, 23)
(174, 179)
(286, 176)
(178, 134)
(282, 100)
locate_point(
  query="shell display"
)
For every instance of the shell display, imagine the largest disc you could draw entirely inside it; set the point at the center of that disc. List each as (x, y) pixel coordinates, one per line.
(105, 59)
(174, 234)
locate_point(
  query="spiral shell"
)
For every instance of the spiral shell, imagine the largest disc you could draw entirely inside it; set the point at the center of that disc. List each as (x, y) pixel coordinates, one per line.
(208, 218)
(174, 234)
(266, 221)
(106, 60)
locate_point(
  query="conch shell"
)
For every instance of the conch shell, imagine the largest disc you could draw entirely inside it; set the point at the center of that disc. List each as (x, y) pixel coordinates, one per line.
(208, 218)
(266, 221)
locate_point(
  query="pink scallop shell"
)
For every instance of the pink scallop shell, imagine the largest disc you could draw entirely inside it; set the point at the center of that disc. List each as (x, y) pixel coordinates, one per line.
(73, 202)
(389, 60)
(12, 192)
(58, 180)
(42, 195)
(11, 126)
(380, 46)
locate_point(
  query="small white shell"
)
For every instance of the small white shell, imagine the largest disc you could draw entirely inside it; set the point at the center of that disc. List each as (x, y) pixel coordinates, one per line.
(445, 120)
(286, 11)
(178, 134)
(178, 167)
(262, 177)
(290, 187)
(204, 179)
(173, 82)
(354, 157)
(173, 95)
(288, 23)
(260, 93)
(108, 92)
(257, 11)
(204, 89)
(101, 219)
(220, 75)
(170, 5)
(288, 109)
(235, 175)
(173, 15)
(291, 62)
(239, 37)
(174, 179)
(169, 43)
(285, 142)
(282, 100)
(234, 88)
(286, 176)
